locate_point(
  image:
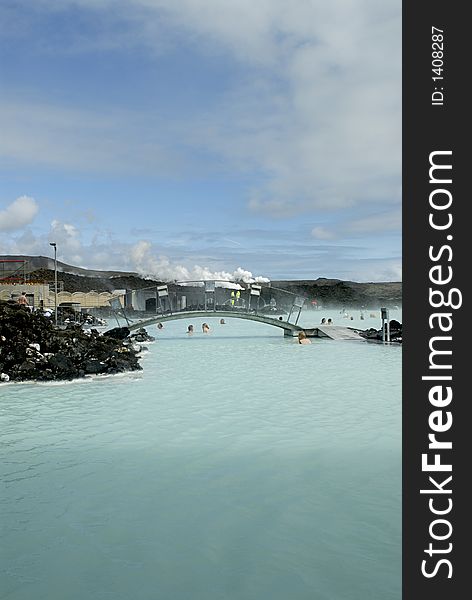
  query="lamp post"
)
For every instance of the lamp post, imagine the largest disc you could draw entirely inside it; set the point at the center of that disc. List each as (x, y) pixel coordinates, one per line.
(54, 245)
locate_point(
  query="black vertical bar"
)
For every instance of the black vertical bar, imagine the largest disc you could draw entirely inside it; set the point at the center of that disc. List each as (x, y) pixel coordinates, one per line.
(435, 119)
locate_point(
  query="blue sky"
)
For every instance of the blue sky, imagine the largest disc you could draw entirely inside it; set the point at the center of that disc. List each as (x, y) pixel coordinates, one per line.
(193, 138)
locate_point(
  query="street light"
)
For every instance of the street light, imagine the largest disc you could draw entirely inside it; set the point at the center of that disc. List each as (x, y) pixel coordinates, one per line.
(54, 245)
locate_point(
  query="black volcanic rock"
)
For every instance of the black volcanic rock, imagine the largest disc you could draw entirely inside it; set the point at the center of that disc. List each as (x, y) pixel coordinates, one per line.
(142, 336)
(118, 333)
(396, 332)
(32, 348)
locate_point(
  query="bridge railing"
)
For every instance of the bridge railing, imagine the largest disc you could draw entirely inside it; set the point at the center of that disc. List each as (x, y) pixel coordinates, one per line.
(218, 296)
(212, 296)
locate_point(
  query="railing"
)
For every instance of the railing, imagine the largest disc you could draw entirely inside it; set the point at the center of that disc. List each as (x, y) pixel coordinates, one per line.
(214, 296)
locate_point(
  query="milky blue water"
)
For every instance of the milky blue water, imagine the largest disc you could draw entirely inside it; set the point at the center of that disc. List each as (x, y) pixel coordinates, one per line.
(238, 465)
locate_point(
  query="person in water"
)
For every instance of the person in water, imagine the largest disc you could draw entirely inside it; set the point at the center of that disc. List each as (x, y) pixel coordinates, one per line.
(190, 329)
(330, 322)
(160, 326)
(302, 339)
(205, 328)
(323, 321)
(222, 322)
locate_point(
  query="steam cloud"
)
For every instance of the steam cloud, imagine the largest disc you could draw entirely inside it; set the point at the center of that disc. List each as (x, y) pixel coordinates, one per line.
(149, 265)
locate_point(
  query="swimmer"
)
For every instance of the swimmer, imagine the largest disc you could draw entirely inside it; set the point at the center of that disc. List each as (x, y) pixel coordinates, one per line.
(323, 321)
(330, 322)
(190, 329)
(160, 326)
(222, 322)
(205, 328)
(302, 339)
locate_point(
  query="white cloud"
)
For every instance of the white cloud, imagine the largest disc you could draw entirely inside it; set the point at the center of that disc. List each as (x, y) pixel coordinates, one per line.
(18, 214)
(319, 113)
(313, 116)
(310, 115)
(303, 260)
(67, 238)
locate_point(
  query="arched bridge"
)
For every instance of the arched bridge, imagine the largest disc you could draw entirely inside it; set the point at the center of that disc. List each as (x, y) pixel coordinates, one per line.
(289, 328)
(224, 299)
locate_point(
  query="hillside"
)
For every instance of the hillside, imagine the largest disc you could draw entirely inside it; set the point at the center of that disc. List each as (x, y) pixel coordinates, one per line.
(330, 292)
(81, 283)
(350, 293)
(41, 263)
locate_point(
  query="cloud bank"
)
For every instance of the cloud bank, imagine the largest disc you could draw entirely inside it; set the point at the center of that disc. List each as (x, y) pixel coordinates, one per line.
(311, 108)
(18, 214)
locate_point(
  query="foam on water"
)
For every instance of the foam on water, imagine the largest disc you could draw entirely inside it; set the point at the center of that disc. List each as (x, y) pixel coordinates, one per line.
(237, 465)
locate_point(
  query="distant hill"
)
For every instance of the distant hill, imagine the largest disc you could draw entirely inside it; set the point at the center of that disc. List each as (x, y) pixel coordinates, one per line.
(82, 283)
(349, 293)
(329, 292)
(36, 263)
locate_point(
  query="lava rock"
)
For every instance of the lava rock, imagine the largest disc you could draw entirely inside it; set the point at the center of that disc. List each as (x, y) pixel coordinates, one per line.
(95, 366)
(61, 363)
(369, 334)
(142, 336)
(396, 331)
(32, 348)
(118, 333)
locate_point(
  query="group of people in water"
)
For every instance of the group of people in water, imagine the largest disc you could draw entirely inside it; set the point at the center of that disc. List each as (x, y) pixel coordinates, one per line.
(326, 322)
(191, 329)
(205, 327)
(302, 337)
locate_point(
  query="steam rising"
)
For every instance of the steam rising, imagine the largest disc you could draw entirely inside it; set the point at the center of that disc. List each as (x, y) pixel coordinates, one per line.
(160, 267)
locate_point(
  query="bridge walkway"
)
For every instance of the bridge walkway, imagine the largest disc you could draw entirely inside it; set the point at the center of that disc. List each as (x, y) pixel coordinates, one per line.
(334, 332)
(289, 328)
(337, 332)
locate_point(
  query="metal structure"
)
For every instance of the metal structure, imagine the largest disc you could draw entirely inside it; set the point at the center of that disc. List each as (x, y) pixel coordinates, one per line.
(296, 308)
(259, 302)
(384, 312)
(118, 310)
(289, 328)
(186, 299)
(13, 270)
(162, 293)
(214, 295)
(54, 245)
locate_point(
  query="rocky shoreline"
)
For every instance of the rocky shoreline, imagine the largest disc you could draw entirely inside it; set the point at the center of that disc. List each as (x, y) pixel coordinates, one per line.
(33, 349)
(396, 333)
